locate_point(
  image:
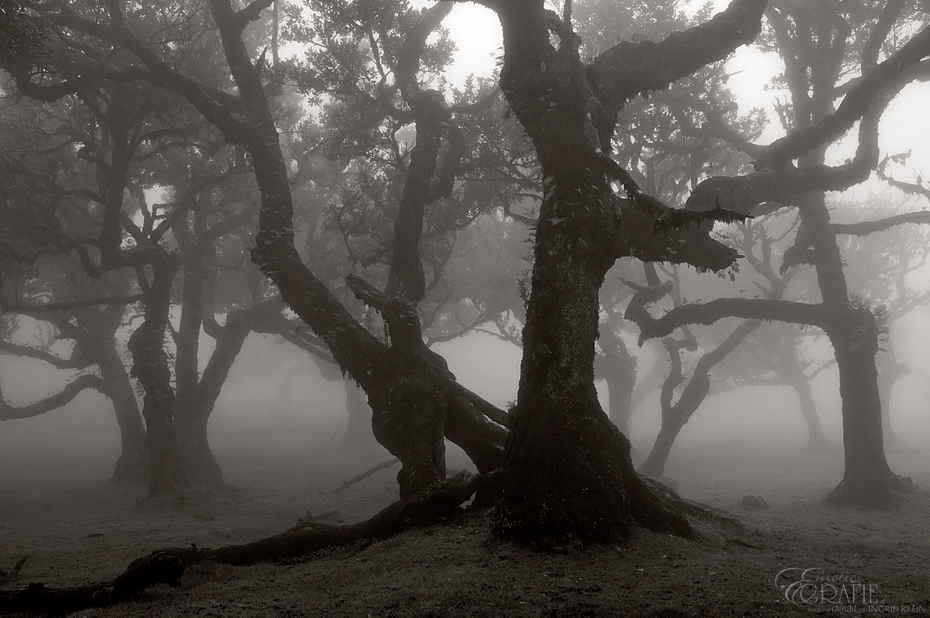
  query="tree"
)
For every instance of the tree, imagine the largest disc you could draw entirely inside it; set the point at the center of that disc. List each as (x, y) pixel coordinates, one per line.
(42, 223)
(568, 470)
(620, 494)
(814, 40)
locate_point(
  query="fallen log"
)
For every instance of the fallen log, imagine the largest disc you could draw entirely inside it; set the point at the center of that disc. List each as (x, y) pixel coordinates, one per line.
(167, 565)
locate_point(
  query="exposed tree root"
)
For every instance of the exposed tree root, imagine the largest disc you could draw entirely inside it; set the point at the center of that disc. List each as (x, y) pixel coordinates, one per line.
(167, 565)
(883, 491)
(689, 507)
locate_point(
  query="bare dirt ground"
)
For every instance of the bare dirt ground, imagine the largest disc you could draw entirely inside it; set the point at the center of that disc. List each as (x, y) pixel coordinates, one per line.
(794, 558)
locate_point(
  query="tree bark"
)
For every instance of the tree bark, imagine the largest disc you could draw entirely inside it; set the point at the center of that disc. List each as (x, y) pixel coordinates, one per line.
(150, 367)
(568, 472)
(867, 478)
(133, 462)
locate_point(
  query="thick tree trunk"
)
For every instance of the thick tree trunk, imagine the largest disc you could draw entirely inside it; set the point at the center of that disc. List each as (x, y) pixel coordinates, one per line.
(150, 367)
(867, 478)
(133, 462)
(567, 472)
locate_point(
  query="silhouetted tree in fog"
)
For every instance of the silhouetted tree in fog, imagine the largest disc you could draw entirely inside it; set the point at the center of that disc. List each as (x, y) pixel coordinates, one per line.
(817, 44)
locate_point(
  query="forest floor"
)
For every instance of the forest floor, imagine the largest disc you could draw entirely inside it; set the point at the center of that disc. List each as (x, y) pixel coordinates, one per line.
(795, 558)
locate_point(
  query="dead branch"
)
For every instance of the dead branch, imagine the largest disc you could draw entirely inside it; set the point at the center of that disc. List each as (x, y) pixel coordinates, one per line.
(52, 402)
(364, 475)
(167, 565)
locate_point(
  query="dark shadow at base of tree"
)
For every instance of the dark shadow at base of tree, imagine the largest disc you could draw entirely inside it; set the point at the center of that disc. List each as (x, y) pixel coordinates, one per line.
(885, 491)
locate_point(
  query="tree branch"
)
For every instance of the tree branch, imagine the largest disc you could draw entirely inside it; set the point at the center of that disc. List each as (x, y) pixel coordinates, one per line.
(708, 313)
(53, 402)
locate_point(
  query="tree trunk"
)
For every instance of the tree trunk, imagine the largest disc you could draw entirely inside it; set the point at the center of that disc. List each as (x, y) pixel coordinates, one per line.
(358, 435)
(889, 371)
(133, 462)
(150, 367)
(191, 428)
(654, 466)
(815, 438)
(618, 369)
(567, 473)
(867, 478)
(194, 452)
(409, 421)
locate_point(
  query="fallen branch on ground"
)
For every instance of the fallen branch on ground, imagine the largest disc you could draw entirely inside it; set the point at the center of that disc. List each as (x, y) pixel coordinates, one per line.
(364, 475)
(167, 565)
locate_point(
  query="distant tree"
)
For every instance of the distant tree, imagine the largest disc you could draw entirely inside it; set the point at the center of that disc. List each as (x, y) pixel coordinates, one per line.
(111, 128)
(39, 232)
(817, 42)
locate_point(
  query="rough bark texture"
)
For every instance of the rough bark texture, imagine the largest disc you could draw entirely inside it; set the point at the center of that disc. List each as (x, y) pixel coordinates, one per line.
(150, 367)
(568, 472)
(409, 419)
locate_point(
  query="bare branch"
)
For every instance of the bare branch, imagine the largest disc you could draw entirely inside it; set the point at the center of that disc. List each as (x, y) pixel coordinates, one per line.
(52, 402)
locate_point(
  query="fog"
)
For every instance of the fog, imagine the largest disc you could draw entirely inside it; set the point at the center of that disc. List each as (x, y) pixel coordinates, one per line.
(276, 397)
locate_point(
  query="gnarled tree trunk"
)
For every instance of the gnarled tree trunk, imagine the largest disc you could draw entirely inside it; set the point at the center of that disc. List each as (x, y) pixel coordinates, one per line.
(150, 367)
